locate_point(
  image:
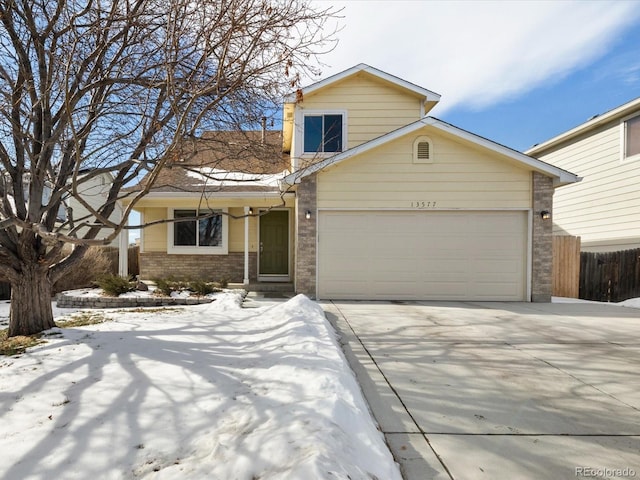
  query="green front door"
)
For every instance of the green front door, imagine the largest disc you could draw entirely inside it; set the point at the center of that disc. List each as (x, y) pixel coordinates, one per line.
(274, 243)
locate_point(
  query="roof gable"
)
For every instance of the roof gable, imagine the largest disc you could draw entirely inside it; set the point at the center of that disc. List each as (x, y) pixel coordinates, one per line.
(428, 95)
(560, 176)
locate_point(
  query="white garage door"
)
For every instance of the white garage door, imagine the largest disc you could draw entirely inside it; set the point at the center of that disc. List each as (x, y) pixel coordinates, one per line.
(422, 255)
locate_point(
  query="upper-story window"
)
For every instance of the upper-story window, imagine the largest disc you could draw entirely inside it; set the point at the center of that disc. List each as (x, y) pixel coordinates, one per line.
(323, 133)
(631, 137)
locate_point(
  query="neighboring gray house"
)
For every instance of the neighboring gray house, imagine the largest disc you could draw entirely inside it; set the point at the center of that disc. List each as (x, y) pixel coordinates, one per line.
(604, 208)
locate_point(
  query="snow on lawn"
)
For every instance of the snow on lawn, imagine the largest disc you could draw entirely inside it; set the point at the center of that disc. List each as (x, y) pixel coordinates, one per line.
(631, 303)
(209, 391)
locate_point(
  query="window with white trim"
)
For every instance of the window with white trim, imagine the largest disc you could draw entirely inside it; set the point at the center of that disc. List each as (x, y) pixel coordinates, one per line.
(422, 150)
(631, 137)
(202, 232)
(323, 133)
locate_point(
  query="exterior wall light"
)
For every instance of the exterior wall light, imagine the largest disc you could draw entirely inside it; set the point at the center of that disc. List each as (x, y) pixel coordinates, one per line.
(545, 214)
(250, 210)
(308, 214)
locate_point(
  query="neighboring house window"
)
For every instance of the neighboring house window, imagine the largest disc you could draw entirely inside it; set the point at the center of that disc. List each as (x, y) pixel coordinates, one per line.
(207, 234)
(323, 133)
(422, 150)
(632, 137)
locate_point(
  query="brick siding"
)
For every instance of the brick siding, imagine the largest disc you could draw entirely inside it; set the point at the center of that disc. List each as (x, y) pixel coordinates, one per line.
(306, 234)
(542, 252)
(204, 267)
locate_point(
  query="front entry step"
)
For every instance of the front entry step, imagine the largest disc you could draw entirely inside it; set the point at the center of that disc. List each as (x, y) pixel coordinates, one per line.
(260, 299)
(285, 295)
(269, 287)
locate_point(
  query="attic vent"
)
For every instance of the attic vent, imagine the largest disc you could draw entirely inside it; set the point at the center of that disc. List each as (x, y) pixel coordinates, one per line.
(422, 150)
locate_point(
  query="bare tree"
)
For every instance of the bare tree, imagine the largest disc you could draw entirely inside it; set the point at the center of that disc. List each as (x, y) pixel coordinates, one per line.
(89, 87)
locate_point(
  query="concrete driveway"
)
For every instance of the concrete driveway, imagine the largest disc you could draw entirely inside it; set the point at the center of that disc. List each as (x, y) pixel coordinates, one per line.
(500, 390)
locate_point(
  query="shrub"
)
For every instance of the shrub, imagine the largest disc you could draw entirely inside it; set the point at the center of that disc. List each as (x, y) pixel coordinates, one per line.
(164, 286)
(93, 265)
(200, 287)
(114, 285)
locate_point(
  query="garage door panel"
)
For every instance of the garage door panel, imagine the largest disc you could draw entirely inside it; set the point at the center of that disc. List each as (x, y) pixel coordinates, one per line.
(444, 264)
(497, 266)
(422, 255)
(444, 290)
(496, 291)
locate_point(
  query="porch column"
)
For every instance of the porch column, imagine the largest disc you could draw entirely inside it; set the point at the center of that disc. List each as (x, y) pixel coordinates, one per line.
(246, 246)
(123, 253)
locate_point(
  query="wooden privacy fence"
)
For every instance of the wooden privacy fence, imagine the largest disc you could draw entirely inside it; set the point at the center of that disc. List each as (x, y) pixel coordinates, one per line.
(610, 276)
(133, 259)
(566, 266)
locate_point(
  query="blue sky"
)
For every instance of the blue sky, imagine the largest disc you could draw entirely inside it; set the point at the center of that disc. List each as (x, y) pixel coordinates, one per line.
(559, 105)
(516, 72)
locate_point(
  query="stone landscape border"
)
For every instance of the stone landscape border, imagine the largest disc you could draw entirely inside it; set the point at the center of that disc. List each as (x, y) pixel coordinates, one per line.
(64, 300)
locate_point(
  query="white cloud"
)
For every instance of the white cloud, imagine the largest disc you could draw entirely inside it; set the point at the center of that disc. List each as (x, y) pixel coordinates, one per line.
(477, 53)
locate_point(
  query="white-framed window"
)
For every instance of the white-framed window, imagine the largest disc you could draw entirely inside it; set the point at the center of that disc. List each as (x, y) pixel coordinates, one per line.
(422, 150)
(202, 232)
(631, 138)
(323, 132)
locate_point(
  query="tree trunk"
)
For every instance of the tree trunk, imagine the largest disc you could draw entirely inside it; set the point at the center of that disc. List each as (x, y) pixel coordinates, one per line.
(31, 302)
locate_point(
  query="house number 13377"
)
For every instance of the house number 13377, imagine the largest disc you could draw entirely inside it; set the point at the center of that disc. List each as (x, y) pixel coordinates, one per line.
(423, 204)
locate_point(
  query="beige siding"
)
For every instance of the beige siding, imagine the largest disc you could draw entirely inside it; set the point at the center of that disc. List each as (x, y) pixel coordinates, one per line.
(154, 237)
(459, 177)
(604, 208)
(213, 202)
(373, 106)
(236, 231)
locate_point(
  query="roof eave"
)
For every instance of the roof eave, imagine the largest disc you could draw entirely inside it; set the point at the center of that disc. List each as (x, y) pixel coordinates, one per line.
(617, 113)
(428, 95)
(560, 176)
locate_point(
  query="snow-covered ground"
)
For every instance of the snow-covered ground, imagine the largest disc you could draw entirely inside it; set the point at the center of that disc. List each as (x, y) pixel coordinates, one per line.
(631, 303)
(202, 392)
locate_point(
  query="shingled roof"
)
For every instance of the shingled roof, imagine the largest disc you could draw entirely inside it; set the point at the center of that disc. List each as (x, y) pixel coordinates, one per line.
(230, 161)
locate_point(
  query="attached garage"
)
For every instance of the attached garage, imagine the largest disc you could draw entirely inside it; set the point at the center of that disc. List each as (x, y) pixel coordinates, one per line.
(462, 219)
(423, 255)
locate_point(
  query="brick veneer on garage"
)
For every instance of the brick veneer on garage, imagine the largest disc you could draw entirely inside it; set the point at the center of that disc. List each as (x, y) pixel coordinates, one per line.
(306, 237)
(542, 252)
(205, 267)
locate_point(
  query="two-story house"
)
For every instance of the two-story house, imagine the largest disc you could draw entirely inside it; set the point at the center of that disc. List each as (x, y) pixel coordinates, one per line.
(361, 196)
(604, 208)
